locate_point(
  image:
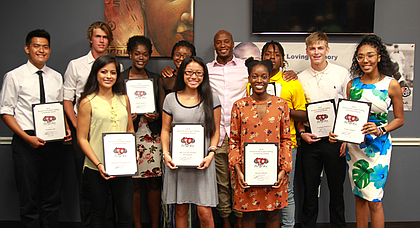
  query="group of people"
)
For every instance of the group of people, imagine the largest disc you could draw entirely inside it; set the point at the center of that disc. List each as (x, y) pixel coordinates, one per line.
(229, 97)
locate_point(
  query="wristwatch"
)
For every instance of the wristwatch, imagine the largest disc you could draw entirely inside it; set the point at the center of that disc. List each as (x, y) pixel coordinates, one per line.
(383, 130)
(301, 132)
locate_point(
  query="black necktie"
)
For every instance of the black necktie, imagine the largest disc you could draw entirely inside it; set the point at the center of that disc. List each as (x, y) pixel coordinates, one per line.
(41, 87)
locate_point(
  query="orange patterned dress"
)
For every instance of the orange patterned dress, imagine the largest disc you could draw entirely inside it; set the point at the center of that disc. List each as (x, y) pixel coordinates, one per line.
(247, 127)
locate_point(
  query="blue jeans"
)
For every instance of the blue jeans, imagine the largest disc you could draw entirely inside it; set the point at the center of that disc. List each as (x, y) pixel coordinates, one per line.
(288, 212)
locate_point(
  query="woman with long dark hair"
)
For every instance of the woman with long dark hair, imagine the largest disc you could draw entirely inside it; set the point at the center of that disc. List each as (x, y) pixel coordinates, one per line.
(180, 51)
(104, 107)
(191, 102)
(368, 164)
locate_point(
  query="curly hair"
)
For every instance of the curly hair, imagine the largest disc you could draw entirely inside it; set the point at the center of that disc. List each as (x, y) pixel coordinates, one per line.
(281, 50)
(184, 43)
(385, 66)
(139, 40)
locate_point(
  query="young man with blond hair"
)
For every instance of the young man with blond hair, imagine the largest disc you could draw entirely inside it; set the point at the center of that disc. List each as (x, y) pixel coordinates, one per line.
(321, 81)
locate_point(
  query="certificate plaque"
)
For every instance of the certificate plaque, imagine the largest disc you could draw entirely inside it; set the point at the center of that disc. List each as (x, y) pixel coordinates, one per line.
(120, 153)
(141, 95)
(351, 116)
(187, 144)
(261, 164)
(321, 117)
(49, 121)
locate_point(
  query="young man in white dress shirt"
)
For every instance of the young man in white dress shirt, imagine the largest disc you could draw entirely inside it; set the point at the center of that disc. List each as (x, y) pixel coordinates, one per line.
(38, 164)
(100, 36)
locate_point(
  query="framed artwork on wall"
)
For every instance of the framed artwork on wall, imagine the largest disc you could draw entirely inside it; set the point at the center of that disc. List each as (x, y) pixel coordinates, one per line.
(164, 22)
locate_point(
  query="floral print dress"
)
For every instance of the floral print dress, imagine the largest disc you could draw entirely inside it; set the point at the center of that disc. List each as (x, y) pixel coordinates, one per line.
(150, 150)
(246, 126)
(368, 164)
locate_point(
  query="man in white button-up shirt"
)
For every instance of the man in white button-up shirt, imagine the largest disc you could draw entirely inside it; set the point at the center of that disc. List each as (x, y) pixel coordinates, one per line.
(322, 81)
(38, 164)
(100, 36)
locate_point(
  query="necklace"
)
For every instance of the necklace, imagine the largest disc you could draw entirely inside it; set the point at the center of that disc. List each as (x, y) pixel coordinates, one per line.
(138, 76)
(191, 97)
(377, 79)
(188, 96)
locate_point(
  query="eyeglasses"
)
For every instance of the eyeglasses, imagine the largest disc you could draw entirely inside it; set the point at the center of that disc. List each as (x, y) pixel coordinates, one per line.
(369, 57)
(177, 55)
(197, 73)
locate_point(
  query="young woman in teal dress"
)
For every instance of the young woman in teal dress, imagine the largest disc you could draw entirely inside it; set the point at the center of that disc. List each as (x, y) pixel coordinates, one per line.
(368, 164)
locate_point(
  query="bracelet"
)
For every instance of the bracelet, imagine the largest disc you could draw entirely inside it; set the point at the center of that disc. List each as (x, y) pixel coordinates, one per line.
(212, 150)
(164, 152)
(213, 147)
(98, 164)
(280, 169)
(380, 131)
(301, 132)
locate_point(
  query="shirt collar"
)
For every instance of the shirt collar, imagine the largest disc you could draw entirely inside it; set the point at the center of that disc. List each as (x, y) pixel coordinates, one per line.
(277, 77)
(324, 71)
(33, 69)
(232, 62)
(90, 58)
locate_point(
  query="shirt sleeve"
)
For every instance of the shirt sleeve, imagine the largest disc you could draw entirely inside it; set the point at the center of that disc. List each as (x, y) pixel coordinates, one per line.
(161, 93)
(235, 152)
(61, 94)
(8, 95)
(298, 100)
(216, 100)
(285, 150)
(70, 81)
(346, 79)
(166, 104)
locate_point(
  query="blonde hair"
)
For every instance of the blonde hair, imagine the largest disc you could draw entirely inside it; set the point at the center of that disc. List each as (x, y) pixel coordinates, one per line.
(315, 37)
(101, 25)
